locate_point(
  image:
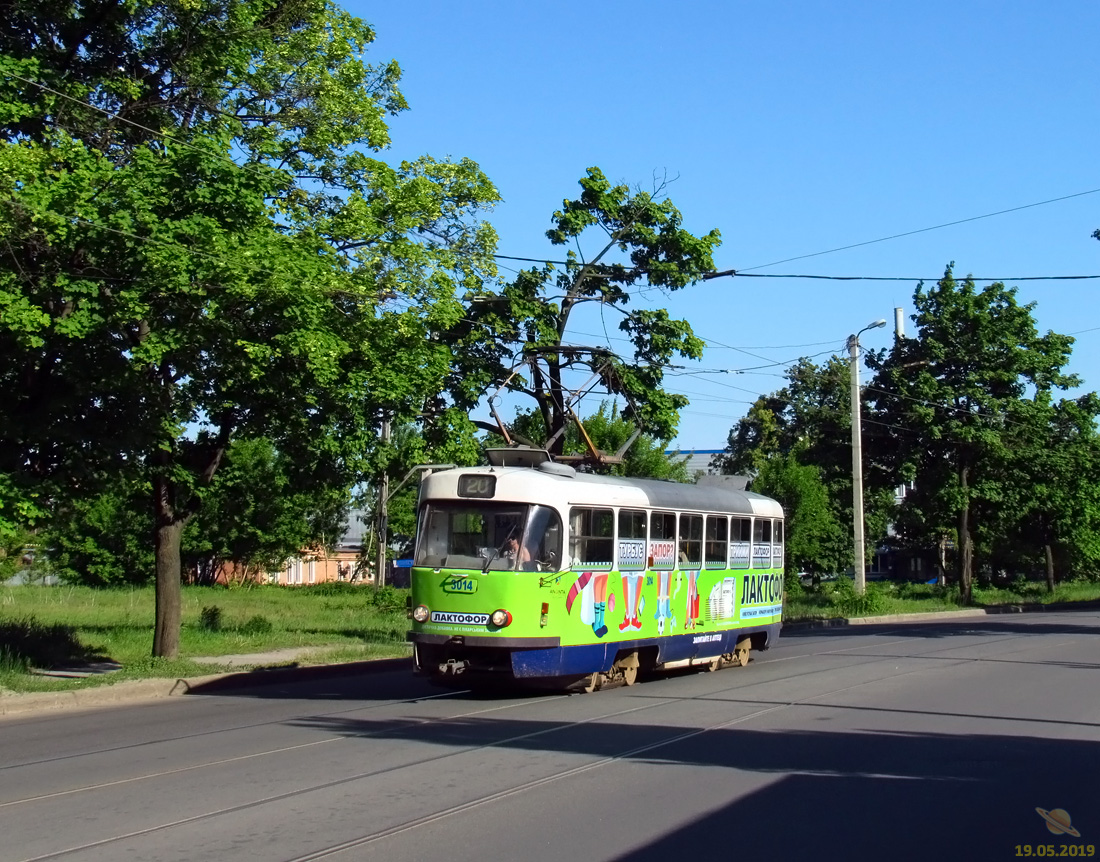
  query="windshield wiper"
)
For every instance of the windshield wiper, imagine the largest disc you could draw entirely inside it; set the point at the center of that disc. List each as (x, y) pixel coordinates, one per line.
(498, 551)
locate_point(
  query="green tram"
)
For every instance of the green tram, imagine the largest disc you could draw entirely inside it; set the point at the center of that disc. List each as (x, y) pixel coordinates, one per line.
(542, 574)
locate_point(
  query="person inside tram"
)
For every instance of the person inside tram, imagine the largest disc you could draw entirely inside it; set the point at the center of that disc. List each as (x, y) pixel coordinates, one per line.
(518, 552)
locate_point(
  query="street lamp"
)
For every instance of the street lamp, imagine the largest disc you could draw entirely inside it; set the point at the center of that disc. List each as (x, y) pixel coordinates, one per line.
(857, 458)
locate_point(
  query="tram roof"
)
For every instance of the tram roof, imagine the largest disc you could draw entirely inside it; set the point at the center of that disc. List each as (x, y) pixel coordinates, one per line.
(539, 486)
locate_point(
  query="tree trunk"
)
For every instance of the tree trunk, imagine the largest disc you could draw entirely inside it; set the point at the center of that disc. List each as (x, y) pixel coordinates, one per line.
(965, 548)
(1050, 567)
(169, 532)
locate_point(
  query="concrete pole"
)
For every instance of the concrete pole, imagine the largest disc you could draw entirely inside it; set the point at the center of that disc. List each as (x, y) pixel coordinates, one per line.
(383, 514)
(857, 467)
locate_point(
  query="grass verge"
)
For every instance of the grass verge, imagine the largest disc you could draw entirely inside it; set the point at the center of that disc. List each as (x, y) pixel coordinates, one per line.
(49, 627)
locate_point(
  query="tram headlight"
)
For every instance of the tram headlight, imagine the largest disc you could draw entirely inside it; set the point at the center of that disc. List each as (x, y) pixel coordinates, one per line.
(421, 613)
(500, 618)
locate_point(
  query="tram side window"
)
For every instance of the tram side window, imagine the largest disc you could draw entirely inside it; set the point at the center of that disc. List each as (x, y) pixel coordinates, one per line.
(590, 536)
(662, 525)
(631, 524)
(631, 545)
(762, 531)
(761, 543)
(691, 541)
(662, 540)
(777, 544)
(717, 543)
(740, 542)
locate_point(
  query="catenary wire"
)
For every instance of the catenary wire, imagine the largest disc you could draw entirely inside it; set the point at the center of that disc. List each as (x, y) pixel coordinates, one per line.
(921, 230)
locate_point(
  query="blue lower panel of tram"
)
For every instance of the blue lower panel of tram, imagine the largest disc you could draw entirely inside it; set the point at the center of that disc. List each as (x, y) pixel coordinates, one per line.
(579, 660)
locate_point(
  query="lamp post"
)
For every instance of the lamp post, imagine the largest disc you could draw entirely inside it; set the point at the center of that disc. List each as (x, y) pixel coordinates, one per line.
(857, 459)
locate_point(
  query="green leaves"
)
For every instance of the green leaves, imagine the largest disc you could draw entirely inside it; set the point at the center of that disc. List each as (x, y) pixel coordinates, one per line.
(201, 247)
(514, 337)
(970, 402)
(795, 445)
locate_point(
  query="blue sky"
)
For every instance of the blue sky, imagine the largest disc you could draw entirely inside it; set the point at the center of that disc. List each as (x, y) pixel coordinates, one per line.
(793, 128)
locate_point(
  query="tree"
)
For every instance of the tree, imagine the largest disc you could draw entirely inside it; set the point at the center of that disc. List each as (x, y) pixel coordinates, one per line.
(816, 541)
(795, 445)
(523, 325)
(258, 513)
(951, 394)
(102, 540)
(199, 248)
(447, 439)
(1050, 513)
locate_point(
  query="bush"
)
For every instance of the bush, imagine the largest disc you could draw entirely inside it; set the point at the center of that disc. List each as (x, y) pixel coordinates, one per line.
(257, 625)
(210, 619)
(386, 598)
(845, 598)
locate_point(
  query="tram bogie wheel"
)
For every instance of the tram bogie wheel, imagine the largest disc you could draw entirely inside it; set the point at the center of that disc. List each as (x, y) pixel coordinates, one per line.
(630, 675)
(741, 652)
(593, 682)
(713, 665)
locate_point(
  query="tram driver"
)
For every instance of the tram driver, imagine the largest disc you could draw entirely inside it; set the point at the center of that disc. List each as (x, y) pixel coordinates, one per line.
(519, 553)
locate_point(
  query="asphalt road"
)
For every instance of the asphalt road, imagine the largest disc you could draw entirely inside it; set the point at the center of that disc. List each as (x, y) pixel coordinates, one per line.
(907, 741)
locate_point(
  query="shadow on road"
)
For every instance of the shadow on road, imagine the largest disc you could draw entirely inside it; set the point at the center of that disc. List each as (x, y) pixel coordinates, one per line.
(846, 795)
(955, 628)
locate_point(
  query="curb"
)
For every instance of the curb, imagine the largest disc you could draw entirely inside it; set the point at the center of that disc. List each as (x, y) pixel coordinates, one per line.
(940, 616)
(136, 691)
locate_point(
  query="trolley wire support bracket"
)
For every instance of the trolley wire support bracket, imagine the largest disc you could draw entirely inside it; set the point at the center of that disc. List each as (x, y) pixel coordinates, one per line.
(599, 360)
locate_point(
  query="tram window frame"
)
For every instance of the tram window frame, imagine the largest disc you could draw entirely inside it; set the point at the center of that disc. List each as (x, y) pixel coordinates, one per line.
(716, 542)
(662, 536)
(745, 531)
(662, 525)
(777, 542)
(741, 535)
(630, 540)
(758, 531)
(598, 548)
(689, 541)
(637, 518)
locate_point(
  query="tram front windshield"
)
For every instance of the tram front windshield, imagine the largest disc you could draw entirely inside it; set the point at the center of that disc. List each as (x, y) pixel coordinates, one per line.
(490, 536)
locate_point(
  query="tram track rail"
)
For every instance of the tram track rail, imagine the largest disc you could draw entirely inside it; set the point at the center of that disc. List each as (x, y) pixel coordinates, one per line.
(625, 754)
(440, 720)
(183, 737)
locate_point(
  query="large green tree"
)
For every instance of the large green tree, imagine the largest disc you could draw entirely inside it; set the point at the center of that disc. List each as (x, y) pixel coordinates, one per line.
(259, 512)
(198, 246)
(953, 395)
(816, 540)
(1048, 514)
(795, 445)
(516, 337)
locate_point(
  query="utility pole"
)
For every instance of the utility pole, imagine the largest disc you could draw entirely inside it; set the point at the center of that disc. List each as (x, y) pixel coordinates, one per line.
(857, 460)
(383, 513)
